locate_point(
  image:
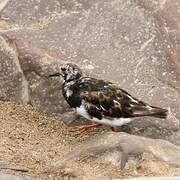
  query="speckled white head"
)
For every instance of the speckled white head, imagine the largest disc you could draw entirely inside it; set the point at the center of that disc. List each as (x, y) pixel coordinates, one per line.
(71, 72)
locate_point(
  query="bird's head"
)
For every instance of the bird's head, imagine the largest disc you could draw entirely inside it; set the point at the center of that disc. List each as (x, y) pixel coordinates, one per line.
(69, 72)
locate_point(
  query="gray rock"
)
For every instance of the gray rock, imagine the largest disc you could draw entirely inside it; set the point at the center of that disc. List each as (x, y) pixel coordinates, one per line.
(113, 158)
(6, 165)
(13, 84)
(125, 144)
(3, 4)
(45, 93)
(4, 176)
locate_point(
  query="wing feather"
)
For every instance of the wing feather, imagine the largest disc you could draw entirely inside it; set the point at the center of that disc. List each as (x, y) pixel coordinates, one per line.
(103, 98)
(102, 103)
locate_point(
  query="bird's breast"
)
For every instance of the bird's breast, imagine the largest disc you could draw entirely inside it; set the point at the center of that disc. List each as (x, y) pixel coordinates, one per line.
(71, 96)
(82, 111)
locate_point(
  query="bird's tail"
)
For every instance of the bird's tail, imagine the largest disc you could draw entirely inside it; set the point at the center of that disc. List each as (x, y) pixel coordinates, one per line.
(147, 110)
(157, 112)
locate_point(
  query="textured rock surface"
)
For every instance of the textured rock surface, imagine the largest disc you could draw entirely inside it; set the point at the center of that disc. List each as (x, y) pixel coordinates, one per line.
(126, 144)
(6, 165)
(132, 43)
(3, 4)
(4, 176)
(44, 92)
(13, 84)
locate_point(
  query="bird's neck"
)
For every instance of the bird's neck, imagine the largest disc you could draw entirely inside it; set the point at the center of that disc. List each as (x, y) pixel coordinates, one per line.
(70, 93)
(70, 81)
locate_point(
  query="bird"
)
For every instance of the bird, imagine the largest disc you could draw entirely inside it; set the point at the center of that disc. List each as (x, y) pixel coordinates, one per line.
(101, 101)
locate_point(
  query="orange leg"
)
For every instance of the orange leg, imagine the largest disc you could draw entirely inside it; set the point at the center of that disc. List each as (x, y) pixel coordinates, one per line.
(84, 128)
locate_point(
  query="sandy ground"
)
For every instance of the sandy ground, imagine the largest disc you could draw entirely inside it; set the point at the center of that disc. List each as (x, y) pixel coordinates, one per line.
(34, 141)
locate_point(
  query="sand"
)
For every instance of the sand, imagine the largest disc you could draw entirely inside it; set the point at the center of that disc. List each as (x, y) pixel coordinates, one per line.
(34, 141)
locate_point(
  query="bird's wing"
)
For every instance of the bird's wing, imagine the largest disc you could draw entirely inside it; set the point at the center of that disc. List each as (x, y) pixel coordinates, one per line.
(110, 101)
(99, 104)
(107, 99)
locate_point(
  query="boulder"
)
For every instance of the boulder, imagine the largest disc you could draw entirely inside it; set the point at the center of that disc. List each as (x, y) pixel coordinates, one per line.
(14, 85)
(121, 145)
(44, 93)
(4, 176)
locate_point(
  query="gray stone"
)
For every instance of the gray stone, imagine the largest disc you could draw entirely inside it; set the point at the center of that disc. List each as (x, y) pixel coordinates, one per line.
(44, 92)
(3, 4)
(4, 176)
(125, 144)
(10, 166)
(13, 84)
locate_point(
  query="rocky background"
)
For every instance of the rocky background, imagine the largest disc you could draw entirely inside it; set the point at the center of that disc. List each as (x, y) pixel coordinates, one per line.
(129, 42)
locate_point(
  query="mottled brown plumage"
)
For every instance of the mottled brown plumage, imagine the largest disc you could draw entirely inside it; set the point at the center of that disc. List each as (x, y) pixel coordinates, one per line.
(112, 101)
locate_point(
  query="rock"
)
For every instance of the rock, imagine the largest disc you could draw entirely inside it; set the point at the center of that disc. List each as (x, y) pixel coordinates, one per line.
(45, 93)
(5, 165)
(113, 158)
(132, 43)
(27, 80)
(3, 4)
(4, 176)
(14, 85)
(127, 145)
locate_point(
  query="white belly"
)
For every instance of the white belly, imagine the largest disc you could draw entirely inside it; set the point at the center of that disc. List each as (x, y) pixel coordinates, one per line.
(111, 122)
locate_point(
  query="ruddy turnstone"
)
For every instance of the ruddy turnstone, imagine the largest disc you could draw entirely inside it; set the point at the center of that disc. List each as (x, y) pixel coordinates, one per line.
(101, 101)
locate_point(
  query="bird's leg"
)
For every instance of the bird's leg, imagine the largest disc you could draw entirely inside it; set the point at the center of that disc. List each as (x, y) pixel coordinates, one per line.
(84, 128)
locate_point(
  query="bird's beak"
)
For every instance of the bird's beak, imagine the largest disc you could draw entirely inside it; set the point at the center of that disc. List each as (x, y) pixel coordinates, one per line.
(56, 75)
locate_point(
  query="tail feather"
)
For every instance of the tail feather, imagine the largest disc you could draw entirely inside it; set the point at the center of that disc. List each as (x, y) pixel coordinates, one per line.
(147, 110)
(159, 112)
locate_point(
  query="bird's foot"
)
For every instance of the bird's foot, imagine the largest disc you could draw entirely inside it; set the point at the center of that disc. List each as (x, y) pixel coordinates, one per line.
(81, 129)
